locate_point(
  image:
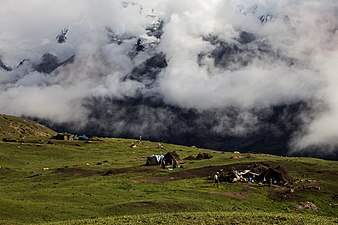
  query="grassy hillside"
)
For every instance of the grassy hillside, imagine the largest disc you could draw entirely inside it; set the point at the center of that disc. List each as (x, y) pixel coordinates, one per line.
(16, 128)
(104, 181)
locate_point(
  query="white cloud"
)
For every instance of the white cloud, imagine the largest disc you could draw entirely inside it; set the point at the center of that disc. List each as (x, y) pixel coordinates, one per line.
(303, 31)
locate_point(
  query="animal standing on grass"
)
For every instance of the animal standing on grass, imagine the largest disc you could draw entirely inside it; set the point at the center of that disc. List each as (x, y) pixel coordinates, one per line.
(216, 178)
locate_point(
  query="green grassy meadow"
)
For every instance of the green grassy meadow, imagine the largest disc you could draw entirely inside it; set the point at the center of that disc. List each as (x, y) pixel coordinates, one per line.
(105, 182)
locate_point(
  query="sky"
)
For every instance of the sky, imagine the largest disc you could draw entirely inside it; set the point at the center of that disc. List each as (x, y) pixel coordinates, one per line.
(304, 32)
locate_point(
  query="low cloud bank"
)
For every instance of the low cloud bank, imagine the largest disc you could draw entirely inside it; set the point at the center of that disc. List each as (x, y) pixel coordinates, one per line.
(212, 58)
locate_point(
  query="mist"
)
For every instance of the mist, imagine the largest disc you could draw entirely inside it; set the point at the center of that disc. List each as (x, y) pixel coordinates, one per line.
(189, 70)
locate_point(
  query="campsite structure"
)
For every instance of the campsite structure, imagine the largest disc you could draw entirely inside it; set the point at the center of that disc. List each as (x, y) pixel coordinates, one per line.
(259, 173)
(169, 159)
(276, 175)
(64, 136)
(154, 160)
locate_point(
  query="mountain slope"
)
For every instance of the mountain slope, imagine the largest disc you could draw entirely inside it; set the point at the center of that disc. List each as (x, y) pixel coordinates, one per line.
(16, 127)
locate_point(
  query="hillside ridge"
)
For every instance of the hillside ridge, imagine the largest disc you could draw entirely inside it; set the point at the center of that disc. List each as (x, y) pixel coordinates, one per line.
(16, 127)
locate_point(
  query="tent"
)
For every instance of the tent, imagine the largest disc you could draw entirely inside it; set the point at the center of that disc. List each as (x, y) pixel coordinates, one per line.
(83, 137)
(154, 160)
(172, 158)
(276, 175)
